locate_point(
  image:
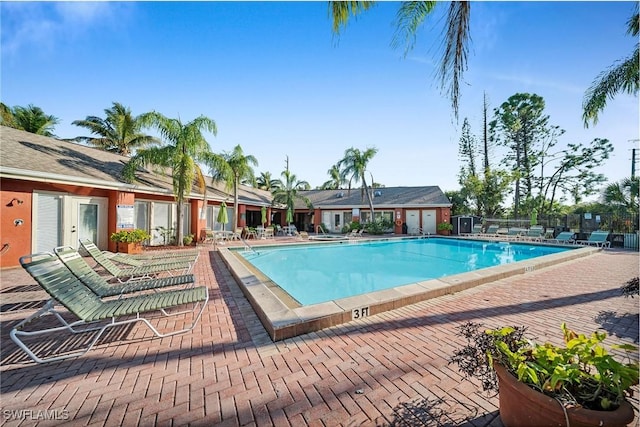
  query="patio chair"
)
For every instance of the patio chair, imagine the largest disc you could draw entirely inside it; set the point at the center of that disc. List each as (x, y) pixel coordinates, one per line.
(124, 275)
(492, 230)
(97, 283)
(352, 233)
(236, 235)
(131, 260)
(597, 238)
(268, 233)
(563, 237)
(93, 314)
(476, 230)
(534, 233)
(515, 233)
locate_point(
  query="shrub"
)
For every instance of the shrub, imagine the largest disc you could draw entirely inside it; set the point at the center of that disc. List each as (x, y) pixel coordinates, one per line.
(130, 236)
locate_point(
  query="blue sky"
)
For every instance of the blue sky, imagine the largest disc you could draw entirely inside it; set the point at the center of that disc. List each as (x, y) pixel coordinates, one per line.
(278, 82)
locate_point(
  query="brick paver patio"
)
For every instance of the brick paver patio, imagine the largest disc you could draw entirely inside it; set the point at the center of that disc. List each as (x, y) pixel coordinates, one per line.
(389, 369)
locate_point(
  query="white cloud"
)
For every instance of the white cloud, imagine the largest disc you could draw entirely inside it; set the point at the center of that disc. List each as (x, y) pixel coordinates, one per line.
(44, 25)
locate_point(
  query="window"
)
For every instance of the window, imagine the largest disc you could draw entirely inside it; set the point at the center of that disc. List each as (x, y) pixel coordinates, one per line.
(48, 222)
(141, 215)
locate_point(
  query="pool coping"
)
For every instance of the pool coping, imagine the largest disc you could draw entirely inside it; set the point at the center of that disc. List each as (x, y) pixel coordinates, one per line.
(282, 322)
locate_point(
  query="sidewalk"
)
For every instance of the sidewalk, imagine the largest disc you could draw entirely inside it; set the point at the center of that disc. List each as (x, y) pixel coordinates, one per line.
(389, 369)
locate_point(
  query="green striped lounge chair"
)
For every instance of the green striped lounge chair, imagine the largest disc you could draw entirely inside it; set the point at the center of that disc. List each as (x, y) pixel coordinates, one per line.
(124, 275)
(534, 233)
(515, 233)
(563, 237)
(598, 239)
(492, 230)
(132, 260)
(93, 314)
(97, 283)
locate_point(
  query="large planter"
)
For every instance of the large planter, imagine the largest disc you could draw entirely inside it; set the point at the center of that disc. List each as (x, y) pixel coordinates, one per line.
(129, 248)
(522, 406)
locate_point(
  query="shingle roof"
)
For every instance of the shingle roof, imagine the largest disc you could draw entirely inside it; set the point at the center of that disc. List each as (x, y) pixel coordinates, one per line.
(28, 156)
(428, 196)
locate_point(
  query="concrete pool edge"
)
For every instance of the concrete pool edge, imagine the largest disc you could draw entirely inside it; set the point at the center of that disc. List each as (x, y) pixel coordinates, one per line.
(282, 322)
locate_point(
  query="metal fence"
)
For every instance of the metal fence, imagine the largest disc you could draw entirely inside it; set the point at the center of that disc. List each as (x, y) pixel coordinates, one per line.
(622, 226)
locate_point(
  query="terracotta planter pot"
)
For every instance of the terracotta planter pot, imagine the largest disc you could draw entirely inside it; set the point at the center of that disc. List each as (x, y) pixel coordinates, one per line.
(129, 248)
(522, 406)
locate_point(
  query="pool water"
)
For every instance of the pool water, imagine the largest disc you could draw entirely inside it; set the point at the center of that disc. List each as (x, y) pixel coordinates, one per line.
(317, 273)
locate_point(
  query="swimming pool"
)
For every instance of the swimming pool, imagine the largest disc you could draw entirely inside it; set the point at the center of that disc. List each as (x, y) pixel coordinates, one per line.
(284, 317)
(315, 274)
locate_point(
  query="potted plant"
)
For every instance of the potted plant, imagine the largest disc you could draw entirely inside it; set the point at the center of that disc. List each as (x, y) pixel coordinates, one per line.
(188, 239)
(578, 384)
(129, 241)
(444, 228)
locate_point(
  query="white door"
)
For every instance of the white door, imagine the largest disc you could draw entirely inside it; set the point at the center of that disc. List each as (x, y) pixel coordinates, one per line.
(326, 219)
(429, 221)
(413, 221)
(87, 220)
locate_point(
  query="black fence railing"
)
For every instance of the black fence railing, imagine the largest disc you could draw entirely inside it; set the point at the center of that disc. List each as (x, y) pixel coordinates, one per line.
(622, 226)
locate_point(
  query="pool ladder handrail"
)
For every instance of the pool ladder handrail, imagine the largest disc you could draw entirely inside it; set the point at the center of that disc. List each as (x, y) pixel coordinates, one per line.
(248, 246)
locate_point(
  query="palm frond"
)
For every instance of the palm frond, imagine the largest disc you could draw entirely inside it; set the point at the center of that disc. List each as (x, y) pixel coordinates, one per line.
(620, 77)
(456, 46)
(409, 18)
(341, 11)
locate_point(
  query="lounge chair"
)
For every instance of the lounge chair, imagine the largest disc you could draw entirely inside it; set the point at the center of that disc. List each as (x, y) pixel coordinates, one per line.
(492, 230)
(131, 260)
(515, 233)
(476, 230)
(97, 283)
(67, 290)
(124, 275)
(597, 238)
(563, 237)
(534, 234)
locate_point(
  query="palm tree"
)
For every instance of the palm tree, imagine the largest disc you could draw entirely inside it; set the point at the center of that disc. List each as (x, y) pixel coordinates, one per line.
(232, 168)
(623, 193)
(266, 182)
(623, 76)
(409, 18)
(6, 116)
(354, 165)
(336, 181)
(287, 189)
(185, 148)
(30, 119)
(118, 133)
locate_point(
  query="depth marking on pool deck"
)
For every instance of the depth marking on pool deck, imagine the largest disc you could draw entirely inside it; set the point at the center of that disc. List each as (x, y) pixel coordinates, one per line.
(283, 317)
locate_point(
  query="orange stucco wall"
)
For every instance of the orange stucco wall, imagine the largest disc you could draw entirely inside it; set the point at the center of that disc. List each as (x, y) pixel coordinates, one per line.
(15, 226)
